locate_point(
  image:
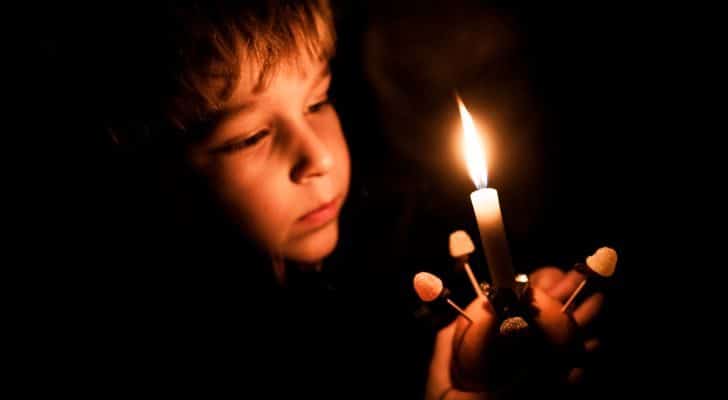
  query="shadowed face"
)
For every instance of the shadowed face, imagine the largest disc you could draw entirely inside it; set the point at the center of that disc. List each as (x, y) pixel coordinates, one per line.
(278, 162)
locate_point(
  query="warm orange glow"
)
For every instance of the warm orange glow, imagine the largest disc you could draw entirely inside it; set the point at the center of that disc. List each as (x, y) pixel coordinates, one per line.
(473, 148)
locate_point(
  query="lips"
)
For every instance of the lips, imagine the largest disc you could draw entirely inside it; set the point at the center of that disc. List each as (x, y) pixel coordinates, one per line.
(322, 214)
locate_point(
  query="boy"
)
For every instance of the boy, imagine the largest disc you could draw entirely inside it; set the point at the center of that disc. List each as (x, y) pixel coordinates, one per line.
(225, 106)
(248, 103)
(231, 100)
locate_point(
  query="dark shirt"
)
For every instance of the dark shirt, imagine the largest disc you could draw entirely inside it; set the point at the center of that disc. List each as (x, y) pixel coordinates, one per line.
(174, 311)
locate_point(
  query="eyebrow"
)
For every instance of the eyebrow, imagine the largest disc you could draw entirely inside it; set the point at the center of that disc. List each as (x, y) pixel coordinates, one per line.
(235, 110)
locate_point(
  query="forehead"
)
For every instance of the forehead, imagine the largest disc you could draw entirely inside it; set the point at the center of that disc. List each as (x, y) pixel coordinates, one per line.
(259, 79)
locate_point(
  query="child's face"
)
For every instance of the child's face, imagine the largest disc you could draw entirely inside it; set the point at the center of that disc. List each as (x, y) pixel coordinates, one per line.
(278, 162)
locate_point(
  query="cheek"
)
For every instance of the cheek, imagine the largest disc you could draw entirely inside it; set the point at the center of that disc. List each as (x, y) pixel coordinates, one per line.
(342, 166)
(257, 201)
(344, 151)
(339, 149)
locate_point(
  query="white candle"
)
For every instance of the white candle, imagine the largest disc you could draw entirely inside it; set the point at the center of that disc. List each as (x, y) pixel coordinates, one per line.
(486, 206)
(493, 237)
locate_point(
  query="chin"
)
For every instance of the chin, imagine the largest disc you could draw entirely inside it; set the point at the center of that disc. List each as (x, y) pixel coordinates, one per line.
(315, 246)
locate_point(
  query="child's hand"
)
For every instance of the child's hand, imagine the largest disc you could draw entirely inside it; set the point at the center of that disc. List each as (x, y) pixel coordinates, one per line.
(469, 360)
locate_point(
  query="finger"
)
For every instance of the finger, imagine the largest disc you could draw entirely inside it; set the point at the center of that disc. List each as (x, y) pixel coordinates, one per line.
(589, 309)
(443, 344)
(439, 376)
(545, 278)
(558, 327)
(472, 345)
(472, 338)
(566, 286)
(439, 382)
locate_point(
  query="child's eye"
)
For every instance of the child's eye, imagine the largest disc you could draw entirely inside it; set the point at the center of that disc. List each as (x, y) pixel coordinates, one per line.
(314, 108)
(250, 141)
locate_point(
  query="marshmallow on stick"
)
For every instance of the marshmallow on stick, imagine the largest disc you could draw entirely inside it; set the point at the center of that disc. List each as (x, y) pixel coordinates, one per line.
(429, 288)
(460, 248)
(602, 263)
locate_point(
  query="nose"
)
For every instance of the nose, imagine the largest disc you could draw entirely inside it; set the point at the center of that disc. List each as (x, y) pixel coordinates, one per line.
(313, 158)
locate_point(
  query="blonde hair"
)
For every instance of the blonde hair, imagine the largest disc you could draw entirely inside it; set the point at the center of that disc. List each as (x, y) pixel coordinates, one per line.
(209, 46)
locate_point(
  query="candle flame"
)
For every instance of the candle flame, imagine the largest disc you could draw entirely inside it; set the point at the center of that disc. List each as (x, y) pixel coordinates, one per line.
(474, 153)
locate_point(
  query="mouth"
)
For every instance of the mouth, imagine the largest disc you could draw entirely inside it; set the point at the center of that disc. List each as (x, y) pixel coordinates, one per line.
(322, 214)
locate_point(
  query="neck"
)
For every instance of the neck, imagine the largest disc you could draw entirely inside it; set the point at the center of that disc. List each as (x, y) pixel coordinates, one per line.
(280, 266)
